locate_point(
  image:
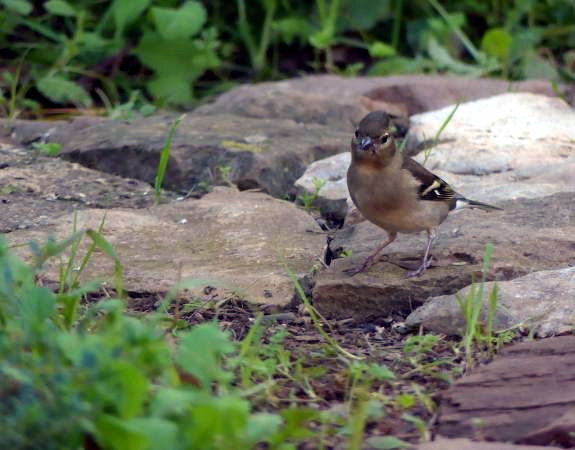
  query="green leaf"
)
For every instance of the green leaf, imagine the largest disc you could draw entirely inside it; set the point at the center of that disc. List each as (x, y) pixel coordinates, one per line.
(181, 23)
(37, 305)
(323, 38)
(109, 250)
(524, 41)
(405, 400)
(362, 15)
(290, 28)
(161, 433)
(440, 55)
(126, 12)
(262, 426)
(219, 422)
(398, 65)
(22, 7)
(120, 434)
(381, 50)
(381, 372)
(170, 401)
(184, 59)
(536, 67)
(387, 443)
(47, 148)
(177, 64)
(173, 89)
(132, 389)
(497, 42)
(61, 90)
(60, 8)
(93, 41)
(201, 351)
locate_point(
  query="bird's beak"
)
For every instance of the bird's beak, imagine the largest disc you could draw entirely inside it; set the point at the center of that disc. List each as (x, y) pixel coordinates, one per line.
(365, 142)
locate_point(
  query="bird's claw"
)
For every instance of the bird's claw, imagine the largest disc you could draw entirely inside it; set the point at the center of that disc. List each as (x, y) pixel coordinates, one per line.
(421, 269)
(354, 270)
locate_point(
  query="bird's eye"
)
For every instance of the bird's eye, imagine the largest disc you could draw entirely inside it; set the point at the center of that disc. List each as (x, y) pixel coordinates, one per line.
(384, 138)
(357, 133)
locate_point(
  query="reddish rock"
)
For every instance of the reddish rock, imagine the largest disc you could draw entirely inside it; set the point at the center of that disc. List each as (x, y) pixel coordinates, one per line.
(527, 395)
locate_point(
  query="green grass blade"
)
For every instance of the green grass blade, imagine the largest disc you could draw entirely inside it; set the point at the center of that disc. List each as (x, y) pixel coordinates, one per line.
(109, 250)
(314, 315)
(477, 56)
(164, 158)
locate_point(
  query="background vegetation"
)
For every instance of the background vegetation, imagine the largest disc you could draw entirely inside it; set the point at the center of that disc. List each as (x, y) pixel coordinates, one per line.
(89, 53)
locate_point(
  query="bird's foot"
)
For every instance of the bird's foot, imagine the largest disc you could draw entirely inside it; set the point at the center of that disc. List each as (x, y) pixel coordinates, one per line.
(421, 269)
(354, 270)
(408, 263)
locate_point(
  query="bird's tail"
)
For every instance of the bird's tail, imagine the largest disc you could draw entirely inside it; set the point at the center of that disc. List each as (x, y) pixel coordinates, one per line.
(466, 203)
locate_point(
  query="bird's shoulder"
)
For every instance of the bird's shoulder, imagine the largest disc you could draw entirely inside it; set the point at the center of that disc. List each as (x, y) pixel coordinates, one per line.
(430, 186)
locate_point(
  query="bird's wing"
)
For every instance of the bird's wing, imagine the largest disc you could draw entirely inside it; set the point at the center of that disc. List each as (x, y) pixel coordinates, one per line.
(431, 186)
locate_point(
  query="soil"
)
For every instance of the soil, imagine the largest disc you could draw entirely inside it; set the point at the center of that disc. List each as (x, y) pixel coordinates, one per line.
(381, 343)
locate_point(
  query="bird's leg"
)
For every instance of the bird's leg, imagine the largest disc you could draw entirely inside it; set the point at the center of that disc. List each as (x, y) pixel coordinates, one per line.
(371, 259)
(426, 262)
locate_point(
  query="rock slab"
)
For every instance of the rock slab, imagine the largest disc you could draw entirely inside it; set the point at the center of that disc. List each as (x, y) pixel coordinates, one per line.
(231, 241)
(34, 189)
(541, 301)
(526, 395)
(467, 444)
(507, 132)
(528, 236)
(269, 154)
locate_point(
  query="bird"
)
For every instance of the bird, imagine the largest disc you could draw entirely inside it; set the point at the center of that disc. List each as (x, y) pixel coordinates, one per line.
(395, 192)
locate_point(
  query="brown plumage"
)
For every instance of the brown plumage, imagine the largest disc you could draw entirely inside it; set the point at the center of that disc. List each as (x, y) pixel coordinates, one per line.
(398, 194)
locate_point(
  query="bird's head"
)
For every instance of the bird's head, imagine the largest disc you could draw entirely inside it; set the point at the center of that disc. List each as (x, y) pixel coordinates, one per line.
(372, 142)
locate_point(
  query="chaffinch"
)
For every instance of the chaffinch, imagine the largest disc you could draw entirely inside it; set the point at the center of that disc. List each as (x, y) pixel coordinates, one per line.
(395, 192)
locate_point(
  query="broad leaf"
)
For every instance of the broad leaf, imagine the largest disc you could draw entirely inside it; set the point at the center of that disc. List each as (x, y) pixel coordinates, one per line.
(181, 23)
(22, 7)
(171, 89)
(60, 8)
(381, 50)
(201, 351)
(61, 90)
(127, 11)
(497, 42)
(117, 434)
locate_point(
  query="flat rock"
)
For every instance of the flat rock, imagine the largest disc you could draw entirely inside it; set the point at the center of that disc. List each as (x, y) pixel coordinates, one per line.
(508, 132)
(234, 242)
(333, 199)
(467, 444)
(206, 150)
(528, 236)
(533, 182)
(541, 301)
(34, 189)
(505, 147)
(342, 102)
(526, 395)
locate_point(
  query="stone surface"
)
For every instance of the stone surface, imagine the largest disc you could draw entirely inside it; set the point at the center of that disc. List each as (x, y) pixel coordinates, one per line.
(342, 102)
(541, 301)
(548, 179)
(259, 153)
(536, 181)
(508, 132)
(333, 199)
(34, 189)
(481, 155)
(466, 444)
(521, 396)
(229, 240)
(529, 235)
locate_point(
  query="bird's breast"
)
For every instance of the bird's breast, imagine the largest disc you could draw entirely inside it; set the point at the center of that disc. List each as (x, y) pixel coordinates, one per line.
(391, 202)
